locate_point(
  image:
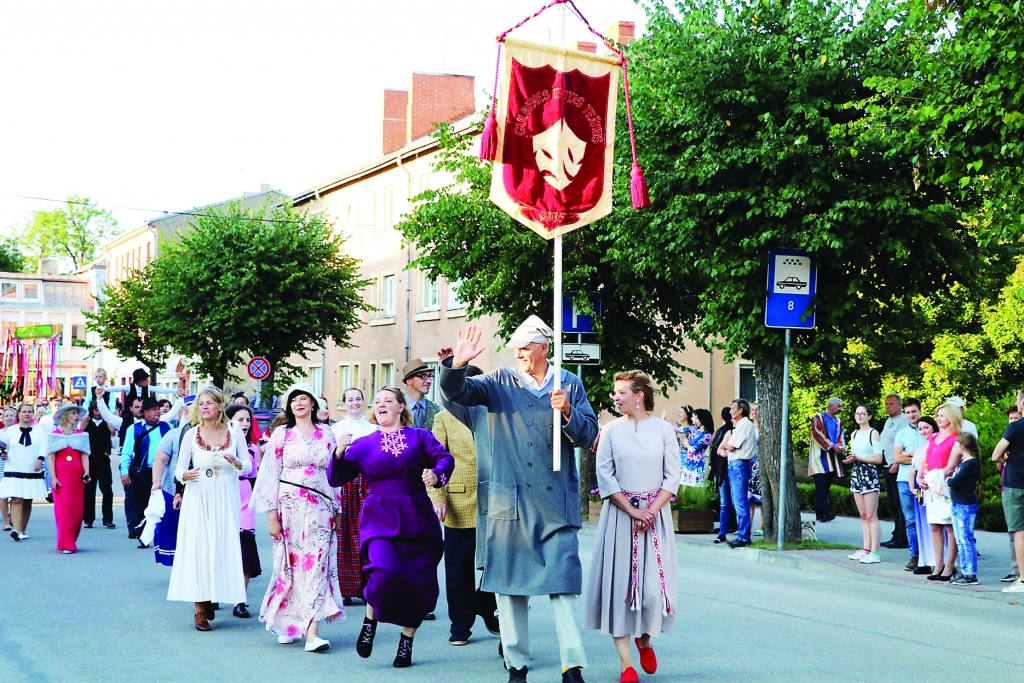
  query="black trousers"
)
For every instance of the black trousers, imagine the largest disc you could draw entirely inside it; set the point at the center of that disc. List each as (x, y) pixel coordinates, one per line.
(822, 485)
(99, 470)
(140, 485)
(892, 492)
(465, 602)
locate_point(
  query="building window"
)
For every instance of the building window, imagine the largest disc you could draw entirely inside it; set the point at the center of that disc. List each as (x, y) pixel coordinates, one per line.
(387, 374)
(30, 291)
(388, 294)
(373, 382)
(430, 299)
(454, 301)
(316, 378)
(748, 383)
(9, 291)
(348, 377)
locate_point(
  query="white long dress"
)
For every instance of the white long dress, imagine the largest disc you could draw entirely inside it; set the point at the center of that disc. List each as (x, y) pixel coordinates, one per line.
(20, 478)
(208, 557)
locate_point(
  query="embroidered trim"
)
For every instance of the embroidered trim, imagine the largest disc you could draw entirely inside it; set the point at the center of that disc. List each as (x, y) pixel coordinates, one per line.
(633, 598)
(393, 442)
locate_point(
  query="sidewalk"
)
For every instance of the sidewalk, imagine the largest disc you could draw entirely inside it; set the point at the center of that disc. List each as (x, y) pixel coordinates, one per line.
(993, 560)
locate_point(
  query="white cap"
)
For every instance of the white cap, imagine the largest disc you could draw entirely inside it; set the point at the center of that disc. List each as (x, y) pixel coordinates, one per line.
(532, 331)
(956, 401)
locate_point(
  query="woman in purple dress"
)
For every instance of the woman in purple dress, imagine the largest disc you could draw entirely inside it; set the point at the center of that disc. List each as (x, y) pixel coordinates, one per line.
(401, 543)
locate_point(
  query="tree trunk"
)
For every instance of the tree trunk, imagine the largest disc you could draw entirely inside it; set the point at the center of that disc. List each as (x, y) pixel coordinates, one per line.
(769, 393)
(588, 479)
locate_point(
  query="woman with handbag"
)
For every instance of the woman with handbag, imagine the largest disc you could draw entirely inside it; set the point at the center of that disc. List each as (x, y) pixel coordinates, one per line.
(292, 489)
(207, 556)
(632, 587)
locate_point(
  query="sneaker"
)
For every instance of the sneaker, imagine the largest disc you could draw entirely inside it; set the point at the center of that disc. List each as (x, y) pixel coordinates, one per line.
(109, 525)
(870, 558)
(912, 565)
(65, 552)
(857, 555)
(1010, 578)
(315, 644)
(965, 580)
(1015, 587)
(87, 525)
(285, 640)
(458, 640)
(759, 533)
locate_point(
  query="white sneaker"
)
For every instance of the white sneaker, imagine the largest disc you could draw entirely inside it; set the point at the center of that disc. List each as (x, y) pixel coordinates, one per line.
(65, 552)
(870, 558)
(857, 555)
(317, 645)
(1015, 587)
(285, 640)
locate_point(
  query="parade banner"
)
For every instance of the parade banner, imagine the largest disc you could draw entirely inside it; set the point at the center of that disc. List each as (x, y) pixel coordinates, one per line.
(555, 136)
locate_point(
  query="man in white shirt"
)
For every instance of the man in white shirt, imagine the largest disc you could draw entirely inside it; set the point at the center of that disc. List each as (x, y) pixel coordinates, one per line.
(894, 424)
(740, 449)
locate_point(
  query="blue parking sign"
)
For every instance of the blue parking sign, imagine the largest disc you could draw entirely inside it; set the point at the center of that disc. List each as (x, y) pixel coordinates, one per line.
(792, 285)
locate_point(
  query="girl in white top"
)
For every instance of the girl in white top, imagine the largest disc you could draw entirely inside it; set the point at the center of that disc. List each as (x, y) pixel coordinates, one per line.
(865, 453)
(23, 469)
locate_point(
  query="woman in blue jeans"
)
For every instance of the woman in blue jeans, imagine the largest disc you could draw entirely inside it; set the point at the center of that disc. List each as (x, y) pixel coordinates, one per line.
(720, 473)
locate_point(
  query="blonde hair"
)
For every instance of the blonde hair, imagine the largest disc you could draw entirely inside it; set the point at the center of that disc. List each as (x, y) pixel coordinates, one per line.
(73, 414)
(218, 397)
(955, 417)
(406, 418)
(640, 383)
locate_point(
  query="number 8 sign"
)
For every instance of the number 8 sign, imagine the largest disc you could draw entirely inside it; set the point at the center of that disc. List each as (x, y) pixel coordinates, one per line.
(792, 285)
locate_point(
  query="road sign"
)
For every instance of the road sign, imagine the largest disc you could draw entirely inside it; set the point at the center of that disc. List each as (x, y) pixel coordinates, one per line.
(581, 354)
(792, 285)
(259, 368)
(80, 382)
(572, 321)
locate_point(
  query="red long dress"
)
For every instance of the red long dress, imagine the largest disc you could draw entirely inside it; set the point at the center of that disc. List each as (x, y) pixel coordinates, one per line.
(69, 497)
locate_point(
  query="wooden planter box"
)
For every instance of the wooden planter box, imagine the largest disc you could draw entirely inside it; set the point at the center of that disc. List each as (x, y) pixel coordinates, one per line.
(694, 521)
(595, 511)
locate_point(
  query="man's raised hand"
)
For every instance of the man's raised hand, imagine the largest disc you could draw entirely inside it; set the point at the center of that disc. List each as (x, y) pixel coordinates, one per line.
(468, 347)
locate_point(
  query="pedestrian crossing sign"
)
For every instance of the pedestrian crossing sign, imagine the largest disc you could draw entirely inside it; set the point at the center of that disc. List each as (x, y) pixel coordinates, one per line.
(80, 383)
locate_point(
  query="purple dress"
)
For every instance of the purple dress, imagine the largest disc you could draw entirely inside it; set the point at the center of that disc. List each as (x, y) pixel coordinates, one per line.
(401, 543)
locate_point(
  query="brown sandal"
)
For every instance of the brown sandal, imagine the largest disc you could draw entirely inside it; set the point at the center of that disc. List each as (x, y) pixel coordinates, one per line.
(202, 623)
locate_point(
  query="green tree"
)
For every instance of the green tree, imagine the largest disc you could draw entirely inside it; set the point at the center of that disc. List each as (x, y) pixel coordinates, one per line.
(266, 282)
(12, 260)
(74, 231)
(124, 320)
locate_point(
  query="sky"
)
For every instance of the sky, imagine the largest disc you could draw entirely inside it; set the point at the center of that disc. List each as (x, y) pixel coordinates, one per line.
(164, 106)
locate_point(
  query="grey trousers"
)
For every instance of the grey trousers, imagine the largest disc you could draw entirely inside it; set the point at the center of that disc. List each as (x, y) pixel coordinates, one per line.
(513, 617)
(1013, 558)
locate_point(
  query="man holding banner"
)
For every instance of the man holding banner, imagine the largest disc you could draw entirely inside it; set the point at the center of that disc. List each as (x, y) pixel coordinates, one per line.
(533, 512)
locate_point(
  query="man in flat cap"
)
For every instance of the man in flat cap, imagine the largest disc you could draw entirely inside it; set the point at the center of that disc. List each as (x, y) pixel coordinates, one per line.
(533, 512)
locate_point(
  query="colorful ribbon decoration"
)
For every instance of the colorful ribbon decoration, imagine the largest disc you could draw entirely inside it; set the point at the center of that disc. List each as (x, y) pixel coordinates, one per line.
(634, 575)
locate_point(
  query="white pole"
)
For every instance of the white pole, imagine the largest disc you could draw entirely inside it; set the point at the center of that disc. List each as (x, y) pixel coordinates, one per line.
(556, 436)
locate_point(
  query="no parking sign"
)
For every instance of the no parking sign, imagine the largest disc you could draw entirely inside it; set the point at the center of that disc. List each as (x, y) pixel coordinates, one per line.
(259, 368)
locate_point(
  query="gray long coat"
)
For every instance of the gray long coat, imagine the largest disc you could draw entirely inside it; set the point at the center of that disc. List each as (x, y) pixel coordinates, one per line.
(532, 512)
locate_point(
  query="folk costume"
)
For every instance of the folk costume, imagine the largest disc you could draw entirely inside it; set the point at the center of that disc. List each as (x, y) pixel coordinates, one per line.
(350, 507)
(71, 467)
(533, 512)
(303, 585)
(823, 462)
(137, 452)
(21, 480)
(207, 558)
(100, 445)
(400, 539)
(165, 538)
(632, 587)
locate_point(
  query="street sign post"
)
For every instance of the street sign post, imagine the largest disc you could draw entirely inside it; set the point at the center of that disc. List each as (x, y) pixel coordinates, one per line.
(572, 321)
(581, 354)
(259, 368)
(792, 285)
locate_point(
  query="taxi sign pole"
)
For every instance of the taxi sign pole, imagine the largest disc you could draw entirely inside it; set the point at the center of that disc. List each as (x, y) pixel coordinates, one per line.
(781, 531)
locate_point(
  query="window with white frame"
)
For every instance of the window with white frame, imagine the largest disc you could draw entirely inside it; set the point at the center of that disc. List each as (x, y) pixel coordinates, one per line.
(387, 374)
(316, 379)
(430, 293)
(30, 291)
(388, 296)
(454, 301)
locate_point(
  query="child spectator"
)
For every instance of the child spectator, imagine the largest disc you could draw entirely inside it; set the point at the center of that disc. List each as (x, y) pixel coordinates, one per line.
(963, 486)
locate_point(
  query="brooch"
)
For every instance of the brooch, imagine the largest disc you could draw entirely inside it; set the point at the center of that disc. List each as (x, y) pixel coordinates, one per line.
(209, 473)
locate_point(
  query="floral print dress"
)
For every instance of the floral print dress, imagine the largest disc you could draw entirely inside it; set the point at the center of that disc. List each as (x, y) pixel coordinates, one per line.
(303, 586)
(693, 461)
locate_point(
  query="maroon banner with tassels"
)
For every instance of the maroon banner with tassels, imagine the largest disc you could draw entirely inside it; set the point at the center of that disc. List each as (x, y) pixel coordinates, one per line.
(551, 133)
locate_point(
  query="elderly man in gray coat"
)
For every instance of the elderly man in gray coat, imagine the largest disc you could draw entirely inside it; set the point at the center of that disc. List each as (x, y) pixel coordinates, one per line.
(533, 512)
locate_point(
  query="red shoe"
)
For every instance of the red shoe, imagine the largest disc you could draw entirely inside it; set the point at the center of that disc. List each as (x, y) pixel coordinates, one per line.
(629, 676)
(648, 662)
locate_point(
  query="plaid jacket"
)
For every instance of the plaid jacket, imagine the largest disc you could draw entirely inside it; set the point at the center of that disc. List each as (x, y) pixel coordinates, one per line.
(460, 492)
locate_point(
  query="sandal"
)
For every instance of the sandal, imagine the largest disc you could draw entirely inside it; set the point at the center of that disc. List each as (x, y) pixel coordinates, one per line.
(202, 623)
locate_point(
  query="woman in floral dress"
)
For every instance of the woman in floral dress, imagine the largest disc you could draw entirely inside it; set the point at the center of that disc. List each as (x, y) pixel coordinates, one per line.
(698, 440)
(292, 489)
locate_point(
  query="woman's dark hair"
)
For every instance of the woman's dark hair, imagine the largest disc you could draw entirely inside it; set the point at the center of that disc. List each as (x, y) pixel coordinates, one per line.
(290, 421)
(727, 417)
(688, 409)
(236, 408)
(968, 443)
(928, 419)
(164, 402)
(707, 423)
(345, 393)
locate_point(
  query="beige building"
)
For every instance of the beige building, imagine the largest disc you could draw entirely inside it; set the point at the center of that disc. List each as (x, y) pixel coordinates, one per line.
(417, 316)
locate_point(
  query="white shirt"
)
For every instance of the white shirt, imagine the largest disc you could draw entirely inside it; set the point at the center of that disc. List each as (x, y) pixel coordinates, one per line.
(742, 440)
(970, 428)
(893, 426)
(356, 427)
(531, 383)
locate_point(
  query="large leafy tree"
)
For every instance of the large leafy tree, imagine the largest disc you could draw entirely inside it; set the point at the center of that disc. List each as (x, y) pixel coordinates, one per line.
(74, 231)
(12, 260)
(124, 320)
(265, 281)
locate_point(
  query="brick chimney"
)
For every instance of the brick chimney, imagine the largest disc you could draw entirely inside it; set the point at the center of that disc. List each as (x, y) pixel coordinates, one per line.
(437, 98)
(623, 32)
(584, 46)
(396, 105)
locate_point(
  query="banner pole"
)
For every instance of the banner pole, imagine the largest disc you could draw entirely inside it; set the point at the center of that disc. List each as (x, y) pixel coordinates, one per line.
(556, 422)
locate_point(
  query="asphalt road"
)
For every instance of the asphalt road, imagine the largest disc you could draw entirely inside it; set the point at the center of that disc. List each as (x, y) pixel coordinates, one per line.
(102, 615)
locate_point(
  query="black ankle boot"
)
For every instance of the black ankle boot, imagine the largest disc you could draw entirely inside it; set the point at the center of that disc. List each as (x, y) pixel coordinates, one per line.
(364, 644)
(404, 656)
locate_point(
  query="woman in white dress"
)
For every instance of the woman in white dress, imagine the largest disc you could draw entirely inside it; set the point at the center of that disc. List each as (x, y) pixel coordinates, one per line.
(632, 586)
(23, 468)
(208, 556)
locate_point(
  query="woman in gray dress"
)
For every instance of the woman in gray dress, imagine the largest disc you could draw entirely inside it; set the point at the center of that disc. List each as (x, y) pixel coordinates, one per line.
(632, 587)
